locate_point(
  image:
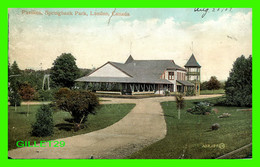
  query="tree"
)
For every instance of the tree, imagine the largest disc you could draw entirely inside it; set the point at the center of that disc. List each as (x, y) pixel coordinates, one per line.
(13, 85)
(64, 71)
(238, 87)
(14, 99)
(44, 122)
(204, 85)
(213, 83)
(79, 103)
(179, 104)
(27, 93)
(15, 69)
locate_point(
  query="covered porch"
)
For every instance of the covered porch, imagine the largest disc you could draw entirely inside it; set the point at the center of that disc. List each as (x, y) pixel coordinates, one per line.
(129, 88)
(184, 86)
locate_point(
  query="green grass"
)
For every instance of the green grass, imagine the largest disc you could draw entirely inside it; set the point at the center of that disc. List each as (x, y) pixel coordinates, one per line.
(19, 124)
(192, 136)
(210, 92)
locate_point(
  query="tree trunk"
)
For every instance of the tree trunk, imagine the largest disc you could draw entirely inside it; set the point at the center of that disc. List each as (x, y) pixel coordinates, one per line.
(179, 113)
(27, 109)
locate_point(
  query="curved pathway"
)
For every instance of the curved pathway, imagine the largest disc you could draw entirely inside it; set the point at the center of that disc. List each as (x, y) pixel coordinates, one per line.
(143, 126)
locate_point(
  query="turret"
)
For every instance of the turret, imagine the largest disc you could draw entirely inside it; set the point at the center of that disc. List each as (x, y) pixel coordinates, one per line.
(193, 73)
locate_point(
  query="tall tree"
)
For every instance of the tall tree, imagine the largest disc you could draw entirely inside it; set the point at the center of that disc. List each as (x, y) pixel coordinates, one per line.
(238, 87)
(15, 69)
(64, 71)
(13, 84)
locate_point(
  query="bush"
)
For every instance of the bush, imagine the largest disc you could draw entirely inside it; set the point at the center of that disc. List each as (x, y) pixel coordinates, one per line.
(79, 103)
(45, 95)
(26, 92)
(204, 85)
(190, 91)
(44, 122)
(202, 108)
(167, 93)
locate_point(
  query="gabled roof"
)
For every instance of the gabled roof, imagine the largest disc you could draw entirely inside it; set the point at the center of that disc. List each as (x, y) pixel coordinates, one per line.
(192, 62)
(140, 71)
(147, 69)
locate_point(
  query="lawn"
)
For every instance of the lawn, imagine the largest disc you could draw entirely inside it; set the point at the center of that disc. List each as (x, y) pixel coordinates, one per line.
(19, 124)
(210, 92)
(191, 136)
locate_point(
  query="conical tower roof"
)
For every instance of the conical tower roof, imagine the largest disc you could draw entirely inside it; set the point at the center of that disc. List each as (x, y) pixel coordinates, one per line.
(192, 62)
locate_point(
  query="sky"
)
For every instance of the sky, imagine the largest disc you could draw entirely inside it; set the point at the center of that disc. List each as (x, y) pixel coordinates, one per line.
(216, 36)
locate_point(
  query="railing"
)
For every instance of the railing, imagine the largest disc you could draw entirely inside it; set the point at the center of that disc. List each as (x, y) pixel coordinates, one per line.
(193, 73)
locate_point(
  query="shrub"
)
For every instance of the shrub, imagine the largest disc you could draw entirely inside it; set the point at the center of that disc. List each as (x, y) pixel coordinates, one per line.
(202, 108)
(204, 85)
(44, 122)
(45, 95)
(79, 103)
(167, 93)
(190, 91)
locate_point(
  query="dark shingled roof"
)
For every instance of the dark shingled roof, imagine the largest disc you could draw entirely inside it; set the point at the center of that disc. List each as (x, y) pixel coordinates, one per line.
(140, 71)
(129, 60)
(186, 83)
(192, 62)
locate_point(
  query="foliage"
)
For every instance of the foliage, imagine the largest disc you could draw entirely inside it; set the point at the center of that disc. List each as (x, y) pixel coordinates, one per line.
(14, 69)
(79, 103)
(33, 78)
(14, 98)
(26, 92)
(179, 104)
(204, 85)
(64, 71)
(44, 122)
(238, 87)
(222, 85)
(84, 72)
(13, 85)
(190, 91)
(13, 77)
(179, 101)
(213, 83)
(201, 108)
(46, 95)
(167, 93)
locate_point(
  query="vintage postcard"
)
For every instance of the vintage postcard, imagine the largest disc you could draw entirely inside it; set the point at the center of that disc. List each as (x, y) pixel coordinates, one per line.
(129, 83)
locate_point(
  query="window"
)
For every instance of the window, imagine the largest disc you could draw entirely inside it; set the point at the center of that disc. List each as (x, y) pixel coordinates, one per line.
(194, 78)
(193, 70)
(171, 76)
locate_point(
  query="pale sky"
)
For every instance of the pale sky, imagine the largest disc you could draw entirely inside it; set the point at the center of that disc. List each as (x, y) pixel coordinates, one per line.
(216, 39)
